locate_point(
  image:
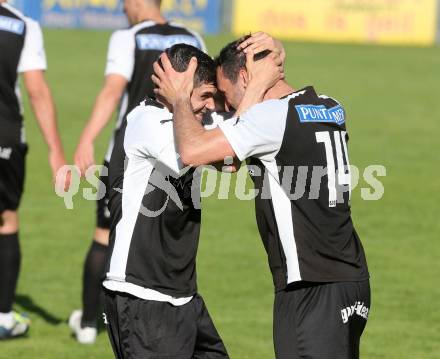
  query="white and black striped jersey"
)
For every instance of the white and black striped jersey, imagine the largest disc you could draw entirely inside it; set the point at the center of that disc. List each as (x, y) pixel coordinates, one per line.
(297, 157)
(155, 225)
(132, 53)
(21, 50)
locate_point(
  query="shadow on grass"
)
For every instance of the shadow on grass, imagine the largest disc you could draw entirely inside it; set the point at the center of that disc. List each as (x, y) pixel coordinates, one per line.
(29, 306)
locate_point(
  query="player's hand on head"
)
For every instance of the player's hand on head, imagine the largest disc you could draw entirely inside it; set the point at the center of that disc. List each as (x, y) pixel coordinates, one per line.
(266, 72)
(171, 84)
(261, 41)
(84, 156)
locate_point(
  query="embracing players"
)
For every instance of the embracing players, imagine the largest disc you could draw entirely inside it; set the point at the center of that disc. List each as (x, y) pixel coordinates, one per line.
(152, 305)
(295, 140)
(131, 55)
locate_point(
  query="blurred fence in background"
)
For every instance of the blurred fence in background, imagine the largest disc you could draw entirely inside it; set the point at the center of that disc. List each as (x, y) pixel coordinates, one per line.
(411, 22)
(201, 15)
(359, 21)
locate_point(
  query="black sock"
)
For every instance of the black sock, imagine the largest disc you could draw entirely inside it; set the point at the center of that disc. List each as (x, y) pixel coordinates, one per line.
(94, 267)
(10, 257)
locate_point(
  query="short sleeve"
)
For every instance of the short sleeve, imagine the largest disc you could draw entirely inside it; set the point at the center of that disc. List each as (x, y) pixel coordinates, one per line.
(258, 132)
(33, 56)
(120, 56)
(149, 135)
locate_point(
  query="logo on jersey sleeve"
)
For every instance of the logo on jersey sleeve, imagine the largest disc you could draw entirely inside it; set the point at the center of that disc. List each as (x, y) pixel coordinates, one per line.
(162, 42)
(313, 113)
(11, 25)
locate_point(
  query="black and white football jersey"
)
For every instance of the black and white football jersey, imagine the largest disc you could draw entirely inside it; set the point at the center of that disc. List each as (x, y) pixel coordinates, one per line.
(21, 50)
(297, 155)
(132, 53)
(155, 217)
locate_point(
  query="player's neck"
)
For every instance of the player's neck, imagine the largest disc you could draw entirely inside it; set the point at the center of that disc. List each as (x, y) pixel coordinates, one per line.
(281, 89)
(151, 15)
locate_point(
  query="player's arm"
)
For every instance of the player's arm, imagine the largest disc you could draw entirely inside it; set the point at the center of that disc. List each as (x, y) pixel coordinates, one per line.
(44, 109)
(229, 165)
(105, 104)
(196, 145)
(119, 69)
(32, 66)
(262, 75)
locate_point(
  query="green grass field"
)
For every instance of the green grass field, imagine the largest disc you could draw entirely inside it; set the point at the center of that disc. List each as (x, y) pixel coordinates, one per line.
(392, 99)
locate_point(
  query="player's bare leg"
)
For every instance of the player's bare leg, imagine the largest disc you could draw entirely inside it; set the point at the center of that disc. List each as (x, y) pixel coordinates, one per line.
(102, 236)
(9, 222)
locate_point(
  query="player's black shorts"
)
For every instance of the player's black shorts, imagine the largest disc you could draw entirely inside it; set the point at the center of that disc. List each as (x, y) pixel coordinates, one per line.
(12, 174)
(102, 211)
(148, 329)
(321, 321)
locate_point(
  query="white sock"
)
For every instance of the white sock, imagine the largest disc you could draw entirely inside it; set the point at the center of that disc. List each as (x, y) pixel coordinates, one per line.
(7, 320)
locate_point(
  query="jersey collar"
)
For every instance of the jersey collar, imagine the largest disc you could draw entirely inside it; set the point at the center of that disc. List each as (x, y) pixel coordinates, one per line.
(304, 90)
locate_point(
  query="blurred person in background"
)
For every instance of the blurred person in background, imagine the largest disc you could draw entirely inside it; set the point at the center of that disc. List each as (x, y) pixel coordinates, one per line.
(130, 59)
(22, 52)
(318, 264)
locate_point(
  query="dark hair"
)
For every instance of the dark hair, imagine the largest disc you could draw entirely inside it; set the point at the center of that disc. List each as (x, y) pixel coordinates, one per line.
(232, 60)
(180, 55)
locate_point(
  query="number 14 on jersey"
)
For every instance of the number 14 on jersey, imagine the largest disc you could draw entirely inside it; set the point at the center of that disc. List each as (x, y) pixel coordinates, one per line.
(335, 168)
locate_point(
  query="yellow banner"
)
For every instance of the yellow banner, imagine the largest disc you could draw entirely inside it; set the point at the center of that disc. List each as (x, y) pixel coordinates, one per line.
(361, 21)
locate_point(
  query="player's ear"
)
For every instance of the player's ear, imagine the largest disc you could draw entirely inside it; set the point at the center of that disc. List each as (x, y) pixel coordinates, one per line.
(243, 77)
